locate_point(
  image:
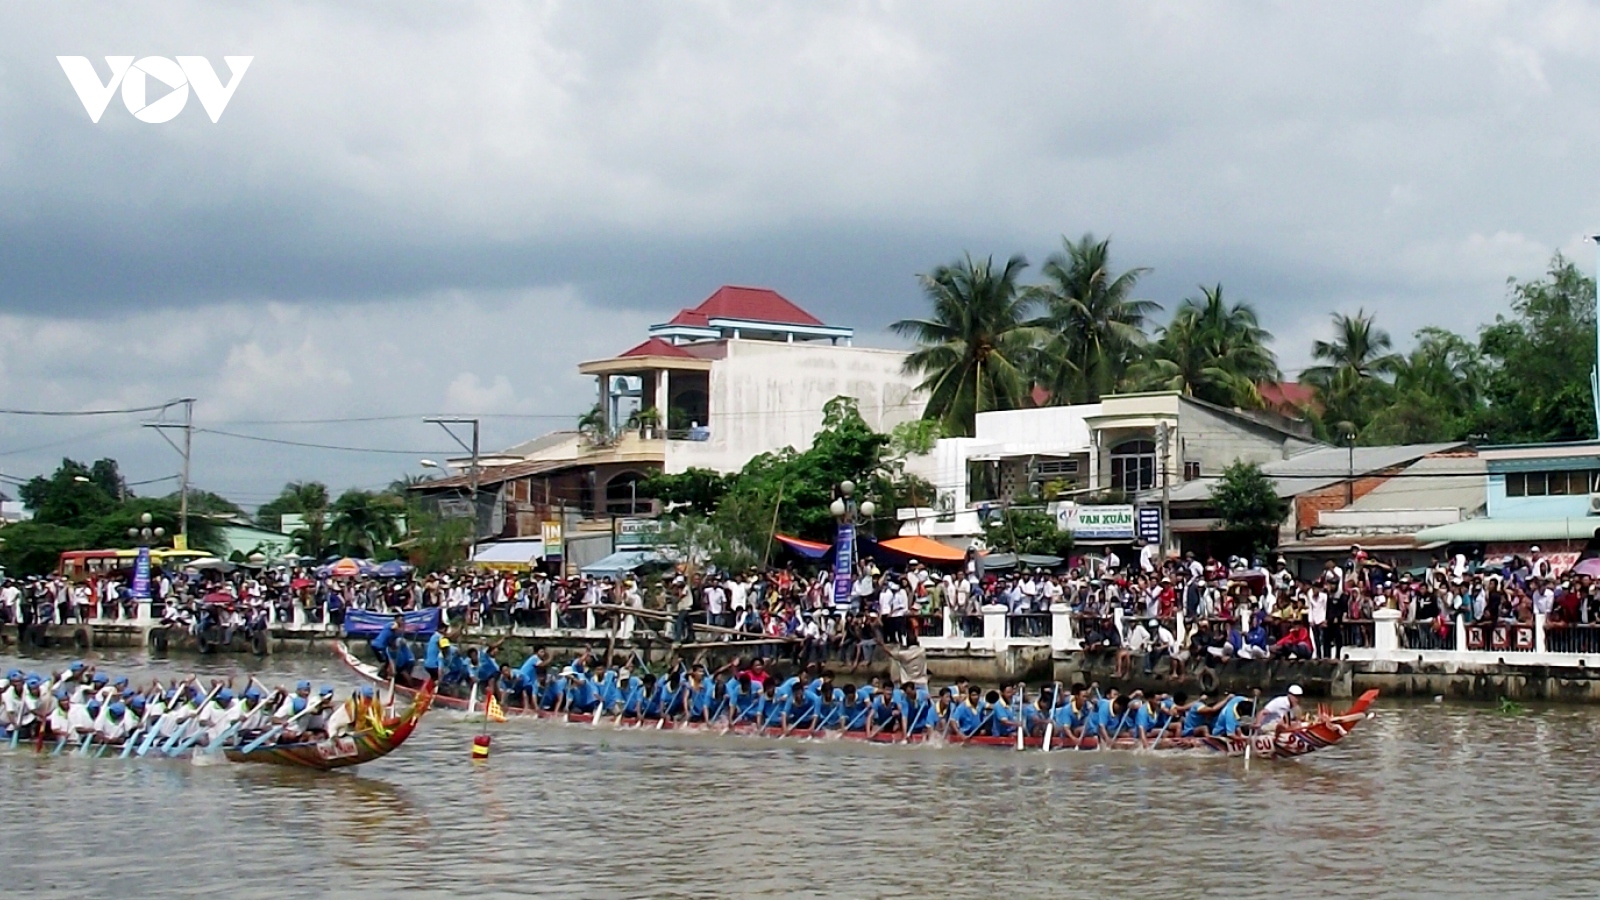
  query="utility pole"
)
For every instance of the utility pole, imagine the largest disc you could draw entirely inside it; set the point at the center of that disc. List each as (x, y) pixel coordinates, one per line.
(187, 427)
(1166, 488)
(472, 470)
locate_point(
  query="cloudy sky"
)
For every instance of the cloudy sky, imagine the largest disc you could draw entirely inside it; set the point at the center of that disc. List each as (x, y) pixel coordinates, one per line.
(420, 208)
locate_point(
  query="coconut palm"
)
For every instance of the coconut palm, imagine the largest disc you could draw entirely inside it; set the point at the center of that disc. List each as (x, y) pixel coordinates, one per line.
(364, 522)
(1212, 351)
(1445, 366)
(1359, 347)
(308, 499)
(1096, 326)
(1350, 379)
(972, 350)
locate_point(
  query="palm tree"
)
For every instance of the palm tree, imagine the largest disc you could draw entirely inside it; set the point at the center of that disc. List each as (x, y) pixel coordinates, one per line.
(308, 499)
(1445, 366)
(1358, 347)
(1212, 351)
(364, 522)
(1096, 327)
(972, 350)
(1349, 381)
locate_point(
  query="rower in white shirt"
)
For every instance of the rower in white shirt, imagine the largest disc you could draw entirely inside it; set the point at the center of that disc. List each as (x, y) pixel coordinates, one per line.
(1280, 711)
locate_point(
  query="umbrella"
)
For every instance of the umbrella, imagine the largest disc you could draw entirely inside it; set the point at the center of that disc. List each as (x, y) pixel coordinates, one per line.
(211, 562)
(394, 568)
(301, 584)
(345, 568)
(1589, 567)
(219, 598)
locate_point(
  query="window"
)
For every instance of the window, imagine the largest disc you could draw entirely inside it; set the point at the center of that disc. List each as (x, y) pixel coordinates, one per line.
(1050, 469)
(1552, 484)
(1191, 471)
(1133, 466)
(622, 494)
(983, 480)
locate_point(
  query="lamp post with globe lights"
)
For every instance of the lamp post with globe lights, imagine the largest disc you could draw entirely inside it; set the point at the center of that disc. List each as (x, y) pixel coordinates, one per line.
(144, 534)
(847, 512)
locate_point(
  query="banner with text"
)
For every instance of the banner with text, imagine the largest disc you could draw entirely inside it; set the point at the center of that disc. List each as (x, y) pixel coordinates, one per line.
(1096, 523)
(844, 563)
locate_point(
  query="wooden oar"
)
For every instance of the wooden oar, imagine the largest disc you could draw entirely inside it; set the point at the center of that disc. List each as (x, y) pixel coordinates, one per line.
(183, 729)
(1022, 728)
(276, 730)
(1050, 726)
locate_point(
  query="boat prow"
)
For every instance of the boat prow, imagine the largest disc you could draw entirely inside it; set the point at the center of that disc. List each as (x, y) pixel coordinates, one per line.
(345, 751)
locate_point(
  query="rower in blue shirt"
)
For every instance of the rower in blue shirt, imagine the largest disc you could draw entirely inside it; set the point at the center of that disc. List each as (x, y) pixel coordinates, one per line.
(433, 656)
(457, 670)
(969, 718)
(1235, 710)
(853, 710)
(486, 669)
(382, 642)
(1004, 717)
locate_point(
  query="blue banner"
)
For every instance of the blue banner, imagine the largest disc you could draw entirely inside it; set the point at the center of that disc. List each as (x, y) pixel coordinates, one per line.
(141, 574)
(844, 557)
(364, 623)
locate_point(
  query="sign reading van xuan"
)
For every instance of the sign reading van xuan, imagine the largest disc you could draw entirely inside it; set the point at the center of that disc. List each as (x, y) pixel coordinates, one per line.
(1104, 523)
(135, 77)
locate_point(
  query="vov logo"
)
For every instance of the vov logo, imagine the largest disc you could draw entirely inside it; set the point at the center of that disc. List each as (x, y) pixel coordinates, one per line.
(134, 78)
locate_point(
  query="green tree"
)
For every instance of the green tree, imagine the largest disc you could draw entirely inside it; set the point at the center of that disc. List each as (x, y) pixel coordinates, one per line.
(206, 503)
(34, 548)
(1029, 531)
(698, 490)
(437, 543)
(1247, 501)
(1538, 360)
(1350, 377)
(74, 495)
(1212, 350)
(972, 350)
(364, 523)
(308, 499)
(1095, 326)
(1437, 392)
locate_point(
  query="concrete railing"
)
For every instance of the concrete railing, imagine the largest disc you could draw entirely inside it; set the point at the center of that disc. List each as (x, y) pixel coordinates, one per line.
(997, 636)
(1484, 644)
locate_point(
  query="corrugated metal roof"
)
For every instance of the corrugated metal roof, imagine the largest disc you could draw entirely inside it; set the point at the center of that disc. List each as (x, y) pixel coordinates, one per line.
(1476, 531)
(1440, 482)
(1322, 467)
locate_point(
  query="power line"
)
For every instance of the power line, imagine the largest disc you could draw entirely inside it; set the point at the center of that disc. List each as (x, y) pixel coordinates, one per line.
(85, 412)
(267, 440)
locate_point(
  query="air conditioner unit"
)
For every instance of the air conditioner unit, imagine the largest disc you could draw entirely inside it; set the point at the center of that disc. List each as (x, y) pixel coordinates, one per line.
(1594, 504)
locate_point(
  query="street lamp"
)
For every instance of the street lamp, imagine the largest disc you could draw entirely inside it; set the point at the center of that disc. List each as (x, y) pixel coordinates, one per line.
(844, 506)
(144, 534)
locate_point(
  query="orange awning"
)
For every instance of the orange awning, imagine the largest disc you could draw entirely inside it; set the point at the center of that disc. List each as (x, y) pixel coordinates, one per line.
(923, 549)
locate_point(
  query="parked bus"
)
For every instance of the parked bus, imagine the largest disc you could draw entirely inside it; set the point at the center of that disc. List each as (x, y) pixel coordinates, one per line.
(77, 565)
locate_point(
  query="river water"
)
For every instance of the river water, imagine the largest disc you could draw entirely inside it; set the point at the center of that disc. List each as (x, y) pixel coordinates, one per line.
(1424, 800)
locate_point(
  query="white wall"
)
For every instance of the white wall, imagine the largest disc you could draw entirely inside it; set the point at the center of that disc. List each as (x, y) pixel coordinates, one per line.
(767, 395)
(1051, 429)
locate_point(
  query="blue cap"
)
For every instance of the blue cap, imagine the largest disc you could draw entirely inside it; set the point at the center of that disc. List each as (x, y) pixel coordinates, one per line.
(129, 692)
(298, 704)
(117, 708)
(137, 702)
(251, 693)
(121, 681)
(366, 691)
(303, 686)
(99, 678)
(77, 666)
(327, 690)
(34, 681)
(94, 707)
(14, 675)
(224, 695)
(62, 695)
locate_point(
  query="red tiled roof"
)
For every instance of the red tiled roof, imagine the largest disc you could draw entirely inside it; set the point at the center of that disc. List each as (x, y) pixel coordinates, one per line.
(746, 303)
(1288, 397)
(657, 347)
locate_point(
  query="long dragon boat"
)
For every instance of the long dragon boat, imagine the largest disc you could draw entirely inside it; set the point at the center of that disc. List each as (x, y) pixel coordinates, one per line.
(1284, 743)
(363, 745)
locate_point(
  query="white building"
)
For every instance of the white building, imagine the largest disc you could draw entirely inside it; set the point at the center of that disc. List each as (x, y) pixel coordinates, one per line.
(1121, 451)
(745, 372)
